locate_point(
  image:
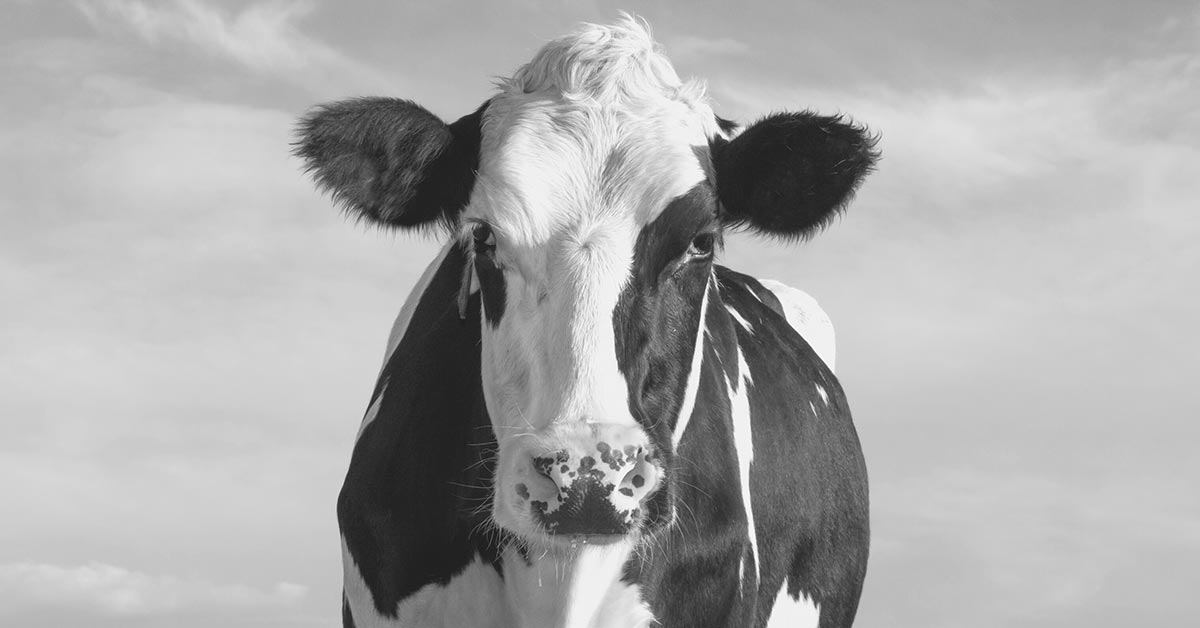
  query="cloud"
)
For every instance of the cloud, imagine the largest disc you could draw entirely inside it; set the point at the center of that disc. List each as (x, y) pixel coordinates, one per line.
(181, 214)
(112, 590)
(264, 37)
(1058, 544)
(690, 46)
(997, 184)
(958, 146)
(1013, 337)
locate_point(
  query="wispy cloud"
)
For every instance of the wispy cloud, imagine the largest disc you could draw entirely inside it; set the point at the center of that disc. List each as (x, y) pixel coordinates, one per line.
(264, 37)
(116, 590)
(691, 46)
(189, 332)
(1050, 542)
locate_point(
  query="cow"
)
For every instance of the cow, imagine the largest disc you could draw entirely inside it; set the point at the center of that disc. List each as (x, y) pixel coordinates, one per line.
(582, 420)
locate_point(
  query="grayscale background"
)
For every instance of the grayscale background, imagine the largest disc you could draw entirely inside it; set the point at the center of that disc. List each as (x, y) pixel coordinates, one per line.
(189, 333)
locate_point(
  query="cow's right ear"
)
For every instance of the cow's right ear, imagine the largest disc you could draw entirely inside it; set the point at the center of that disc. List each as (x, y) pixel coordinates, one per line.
(391, 161)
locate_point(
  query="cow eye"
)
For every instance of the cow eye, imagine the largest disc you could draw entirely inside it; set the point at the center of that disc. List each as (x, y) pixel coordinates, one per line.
(702, 245)
(485, 240)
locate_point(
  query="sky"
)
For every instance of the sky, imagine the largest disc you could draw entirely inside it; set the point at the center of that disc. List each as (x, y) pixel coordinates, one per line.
(189, 333)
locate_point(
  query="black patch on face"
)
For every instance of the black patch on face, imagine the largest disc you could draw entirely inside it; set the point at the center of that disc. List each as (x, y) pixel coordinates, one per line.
(657, 320)
(491, 276)
(491, 287)
(585, 509)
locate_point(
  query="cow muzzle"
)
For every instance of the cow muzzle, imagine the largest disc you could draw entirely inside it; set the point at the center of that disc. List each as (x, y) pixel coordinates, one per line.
(594, 485)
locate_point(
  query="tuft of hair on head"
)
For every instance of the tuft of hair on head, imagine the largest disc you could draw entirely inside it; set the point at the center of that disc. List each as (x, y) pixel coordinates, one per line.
(604, 64)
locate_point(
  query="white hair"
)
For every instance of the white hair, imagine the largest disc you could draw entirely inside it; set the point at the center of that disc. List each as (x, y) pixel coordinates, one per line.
(605, 64)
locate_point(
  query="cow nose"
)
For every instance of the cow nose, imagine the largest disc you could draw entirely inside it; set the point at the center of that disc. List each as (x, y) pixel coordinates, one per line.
(598, 492)
(627, 470)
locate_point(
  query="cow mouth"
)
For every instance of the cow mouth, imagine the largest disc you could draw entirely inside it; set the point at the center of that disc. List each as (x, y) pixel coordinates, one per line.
(585, 510)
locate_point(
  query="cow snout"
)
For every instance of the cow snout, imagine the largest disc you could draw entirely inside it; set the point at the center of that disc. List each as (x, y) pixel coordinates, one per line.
(596, 490)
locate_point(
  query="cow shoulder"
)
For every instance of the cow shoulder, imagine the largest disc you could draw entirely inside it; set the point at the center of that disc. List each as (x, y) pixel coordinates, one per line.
(805, 315)
(409, 505)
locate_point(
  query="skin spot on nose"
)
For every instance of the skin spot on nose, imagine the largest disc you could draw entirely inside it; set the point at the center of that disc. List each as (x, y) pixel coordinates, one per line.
(628, 492)
(611, 457)
(523, 491)
(638, 481)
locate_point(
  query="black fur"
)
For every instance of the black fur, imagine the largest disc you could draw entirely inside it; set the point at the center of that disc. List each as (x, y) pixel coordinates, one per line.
(808, 460)
(492, 288)
(790, 173)
(656, 321)
(415, 500)
(391, 161)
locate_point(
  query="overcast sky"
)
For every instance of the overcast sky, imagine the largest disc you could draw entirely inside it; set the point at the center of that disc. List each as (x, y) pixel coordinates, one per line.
(189, 333)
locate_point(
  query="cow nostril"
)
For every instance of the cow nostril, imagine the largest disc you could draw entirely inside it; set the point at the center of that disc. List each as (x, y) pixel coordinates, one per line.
(635, 477)
(544, 465)
(554, 466)
(640, 480)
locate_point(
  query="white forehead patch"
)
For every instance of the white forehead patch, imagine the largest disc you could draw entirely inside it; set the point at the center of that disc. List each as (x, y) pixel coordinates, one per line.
(596, 129)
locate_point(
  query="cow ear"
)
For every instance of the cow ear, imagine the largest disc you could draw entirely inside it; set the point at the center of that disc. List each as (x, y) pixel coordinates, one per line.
(390, 161)
(790, 173)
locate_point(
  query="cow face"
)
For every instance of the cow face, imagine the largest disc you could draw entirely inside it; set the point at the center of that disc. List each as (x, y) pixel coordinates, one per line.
(590, 194)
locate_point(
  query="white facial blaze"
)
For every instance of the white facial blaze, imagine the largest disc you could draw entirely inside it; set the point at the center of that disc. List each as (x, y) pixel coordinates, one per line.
(566, 216)
(580, 150)
(597, 266)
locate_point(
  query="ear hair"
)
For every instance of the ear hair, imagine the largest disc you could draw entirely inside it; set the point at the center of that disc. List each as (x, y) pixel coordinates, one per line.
(789, 174)
(390, 161)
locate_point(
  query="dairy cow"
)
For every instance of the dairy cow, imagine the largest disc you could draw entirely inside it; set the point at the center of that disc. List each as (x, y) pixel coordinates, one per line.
(582, 419)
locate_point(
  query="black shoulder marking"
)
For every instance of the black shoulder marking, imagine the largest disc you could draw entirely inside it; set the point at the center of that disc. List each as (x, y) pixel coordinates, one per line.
(806, 453)
(740, 285)
(420, 471)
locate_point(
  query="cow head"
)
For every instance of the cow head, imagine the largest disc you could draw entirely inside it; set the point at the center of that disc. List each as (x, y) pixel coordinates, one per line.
(590, 194)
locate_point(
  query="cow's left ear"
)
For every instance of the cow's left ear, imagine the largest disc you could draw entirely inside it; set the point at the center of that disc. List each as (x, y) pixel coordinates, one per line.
(390, 161)
(790, 173)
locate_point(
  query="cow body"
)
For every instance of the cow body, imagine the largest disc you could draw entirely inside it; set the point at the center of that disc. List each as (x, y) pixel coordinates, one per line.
(582, 420)
(418, 550)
